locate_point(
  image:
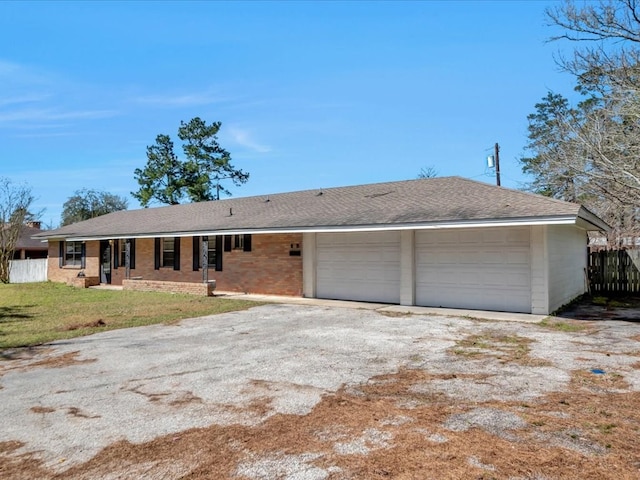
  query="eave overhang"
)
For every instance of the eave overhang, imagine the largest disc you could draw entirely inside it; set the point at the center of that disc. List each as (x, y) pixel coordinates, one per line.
(585, 220)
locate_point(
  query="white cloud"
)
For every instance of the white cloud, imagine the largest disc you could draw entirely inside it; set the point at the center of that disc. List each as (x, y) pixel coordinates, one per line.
(243, 138)
(37, 99)
(44, 115)
(181, 100)
(7, 67)
(26, 98)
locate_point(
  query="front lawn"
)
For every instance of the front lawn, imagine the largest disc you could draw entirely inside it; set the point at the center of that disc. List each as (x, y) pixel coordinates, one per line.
(36, 313)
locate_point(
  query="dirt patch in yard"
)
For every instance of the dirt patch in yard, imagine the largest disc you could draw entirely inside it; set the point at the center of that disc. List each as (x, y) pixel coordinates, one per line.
(373, 431)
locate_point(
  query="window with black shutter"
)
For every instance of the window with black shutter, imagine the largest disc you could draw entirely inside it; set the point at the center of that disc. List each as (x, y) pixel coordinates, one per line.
(195, 252)
(132, 253)
(157, 252)
(117, 258)
(218, 245)
(176, 253)
(242, 242)
(72, 254)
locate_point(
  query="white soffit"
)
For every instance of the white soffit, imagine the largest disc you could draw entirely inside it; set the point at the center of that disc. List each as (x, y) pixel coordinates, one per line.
(569, 220)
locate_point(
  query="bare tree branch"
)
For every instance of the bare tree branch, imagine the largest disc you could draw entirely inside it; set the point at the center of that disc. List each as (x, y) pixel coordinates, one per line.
(15, 201)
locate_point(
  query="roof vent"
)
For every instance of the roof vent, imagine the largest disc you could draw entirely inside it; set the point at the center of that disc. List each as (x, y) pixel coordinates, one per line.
(267, 200)
(319, 193)
(231, 212)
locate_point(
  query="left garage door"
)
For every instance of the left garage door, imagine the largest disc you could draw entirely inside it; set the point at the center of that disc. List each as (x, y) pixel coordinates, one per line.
(362, 266)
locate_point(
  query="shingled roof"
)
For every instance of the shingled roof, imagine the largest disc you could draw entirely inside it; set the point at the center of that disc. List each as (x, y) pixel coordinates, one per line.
(423, 203)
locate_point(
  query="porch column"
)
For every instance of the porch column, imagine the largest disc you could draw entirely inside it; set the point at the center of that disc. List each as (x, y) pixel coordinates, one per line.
(205, 259)
(127, 259)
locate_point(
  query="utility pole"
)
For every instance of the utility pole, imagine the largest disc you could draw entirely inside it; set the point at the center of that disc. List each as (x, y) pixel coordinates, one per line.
(497, 157)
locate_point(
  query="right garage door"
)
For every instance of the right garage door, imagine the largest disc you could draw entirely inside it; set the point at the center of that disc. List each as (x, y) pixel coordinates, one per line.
(481, 269)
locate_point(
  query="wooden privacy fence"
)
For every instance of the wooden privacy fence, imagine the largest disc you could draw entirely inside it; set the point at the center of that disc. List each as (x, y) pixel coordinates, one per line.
(614, 271)
(25, 271)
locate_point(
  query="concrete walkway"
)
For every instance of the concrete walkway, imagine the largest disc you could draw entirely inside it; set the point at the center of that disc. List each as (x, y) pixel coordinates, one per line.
(385, 307)
(382, 307)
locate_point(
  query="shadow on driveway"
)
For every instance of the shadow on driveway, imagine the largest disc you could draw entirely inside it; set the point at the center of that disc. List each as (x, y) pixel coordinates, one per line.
(600, 307)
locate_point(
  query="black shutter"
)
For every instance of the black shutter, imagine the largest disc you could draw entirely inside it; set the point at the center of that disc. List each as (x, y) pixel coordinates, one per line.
(247, 242)
(196, 254)
(132, 253)
(83, 255)
(116, 253)
(176, 253)
(227, 243)
(157, 252)
(218, 253)
(61, 253)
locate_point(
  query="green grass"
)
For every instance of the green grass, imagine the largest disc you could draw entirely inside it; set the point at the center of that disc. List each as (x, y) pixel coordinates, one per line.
(495, 344)
(562, 326)
(37, 313)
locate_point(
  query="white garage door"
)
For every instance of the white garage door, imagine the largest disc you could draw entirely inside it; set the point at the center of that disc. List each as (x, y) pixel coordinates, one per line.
(359, 266)
(482, 268)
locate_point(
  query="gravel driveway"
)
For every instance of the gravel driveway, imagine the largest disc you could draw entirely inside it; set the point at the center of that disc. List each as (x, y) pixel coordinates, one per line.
(71, 399)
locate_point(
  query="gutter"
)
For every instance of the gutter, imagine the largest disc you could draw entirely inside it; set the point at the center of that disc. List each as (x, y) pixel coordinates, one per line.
(563, 220)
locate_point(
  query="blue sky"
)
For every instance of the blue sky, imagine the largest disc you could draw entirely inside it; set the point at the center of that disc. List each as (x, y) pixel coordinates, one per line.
(310, 94)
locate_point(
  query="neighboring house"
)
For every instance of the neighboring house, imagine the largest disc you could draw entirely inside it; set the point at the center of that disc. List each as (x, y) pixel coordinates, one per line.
(447, 242)
(28, 247)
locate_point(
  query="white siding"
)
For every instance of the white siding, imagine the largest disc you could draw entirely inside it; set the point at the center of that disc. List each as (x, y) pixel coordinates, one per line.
(539, 270)
(567, 247)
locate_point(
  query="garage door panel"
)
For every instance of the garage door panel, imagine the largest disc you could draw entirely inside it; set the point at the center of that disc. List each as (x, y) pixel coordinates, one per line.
(477, 268)
(359, 266)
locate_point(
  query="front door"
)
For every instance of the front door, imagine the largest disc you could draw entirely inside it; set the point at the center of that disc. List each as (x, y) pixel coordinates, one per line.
(105, 261)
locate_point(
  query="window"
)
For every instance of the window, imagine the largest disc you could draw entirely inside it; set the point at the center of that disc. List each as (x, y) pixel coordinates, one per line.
(211, 253)
(73, 254)
(121, 253)
(237, 242)
(168, 252)
(214, 252)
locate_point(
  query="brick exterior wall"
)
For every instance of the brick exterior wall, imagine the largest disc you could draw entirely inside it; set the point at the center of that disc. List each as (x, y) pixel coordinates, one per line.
(67, 274)
(267, 268)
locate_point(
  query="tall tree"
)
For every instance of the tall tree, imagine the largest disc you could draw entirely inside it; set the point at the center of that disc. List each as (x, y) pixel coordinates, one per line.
(85, 204)
(169, 180)
(588, 152)
(162, 179)
(15, 202)
(207, 163)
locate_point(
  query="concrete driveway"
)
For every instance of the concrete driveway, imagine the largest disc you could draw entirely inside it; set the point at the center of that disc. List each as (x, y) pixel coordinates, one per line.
(69, 400)
(79, 396)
